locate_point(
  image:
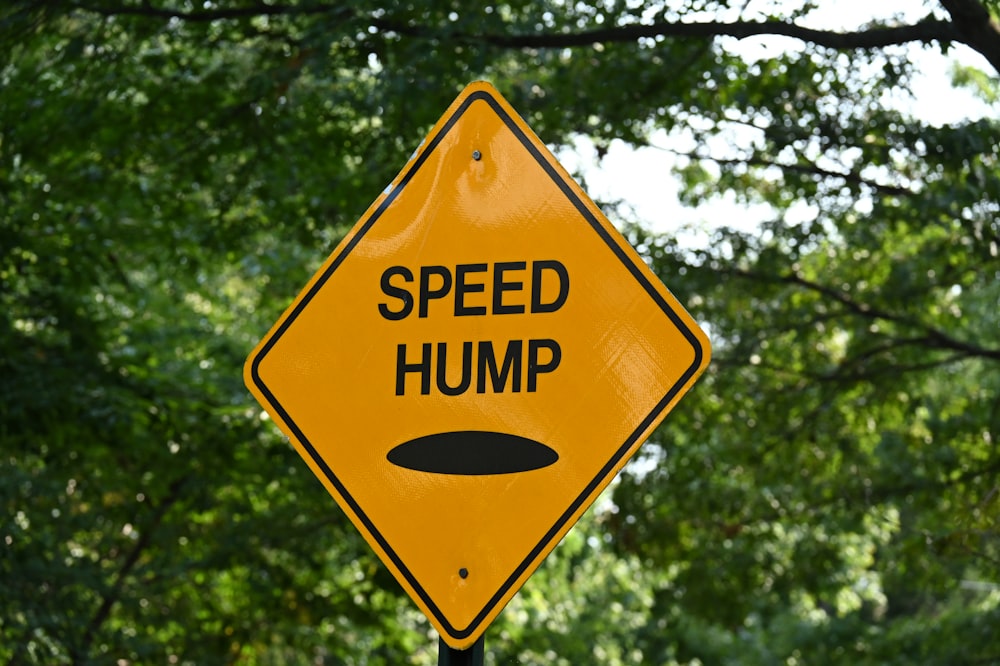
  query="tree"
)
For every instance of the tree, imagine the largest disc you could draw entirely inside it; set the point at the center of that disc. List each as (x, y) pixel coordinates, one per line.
(171, 172)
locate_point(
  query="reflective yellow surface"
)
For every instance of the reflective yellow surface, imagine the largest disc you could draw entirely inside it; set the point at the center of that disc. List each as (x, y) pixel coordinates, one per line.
(483, 298)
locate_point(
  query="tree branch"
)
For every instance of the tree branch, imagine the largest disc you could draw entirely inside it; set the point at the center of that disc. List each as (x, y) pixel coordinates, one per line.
(79, 655)
(924, 31)
(850, 177)
(927, 30)
(220, 14)
(936, 337)
(977, 28)
(839, 376)
(896, 370)
(854, 499)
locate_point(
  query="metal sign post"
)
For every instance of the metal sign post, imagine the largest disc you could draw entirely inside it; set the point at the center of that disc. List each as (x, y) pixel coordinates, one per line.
(449, 656)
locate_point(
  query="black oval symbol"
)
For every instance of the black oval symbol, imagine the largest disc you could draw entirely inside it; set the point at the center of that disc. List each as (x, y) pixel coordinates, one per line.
(472, 452)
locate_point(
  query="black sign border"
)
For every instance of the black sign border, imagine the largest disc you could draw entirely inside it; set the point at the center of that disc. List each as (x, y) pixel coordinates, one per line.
(634, 269)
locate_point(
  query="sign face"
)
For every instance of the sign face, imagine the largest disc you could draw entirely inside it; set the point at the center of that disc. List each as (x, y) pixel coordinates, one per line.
(474, 363)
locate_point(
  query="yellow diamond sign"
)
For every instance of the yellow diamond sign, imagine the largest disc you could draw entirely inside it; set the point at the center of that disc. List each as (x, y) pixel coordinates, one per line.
(474, 363)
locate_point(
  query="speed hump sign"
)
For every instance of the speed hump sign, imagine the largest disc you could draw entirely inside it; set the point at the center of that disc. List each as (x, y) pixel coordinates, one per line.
(474, 363)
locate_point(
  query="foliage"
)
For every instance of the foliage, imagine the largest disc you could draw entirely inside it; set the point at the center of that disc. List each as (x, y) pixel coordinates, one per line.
(171, 173)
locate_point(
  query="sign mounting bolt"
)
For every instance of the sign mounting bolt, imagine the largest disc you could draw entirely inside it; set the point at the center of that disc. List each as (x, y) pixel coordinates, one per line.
(476, 155)
(463, 572)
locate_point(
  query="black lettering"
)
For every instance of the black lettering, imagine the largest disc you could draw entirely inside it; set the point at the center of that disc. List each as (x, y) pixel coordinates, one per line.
(534, 367)
(498, 377)
(396, 292)
(442, 369)
(500, 286)
(462, 288)
(423, 367)
(426, 293)
(537, 268)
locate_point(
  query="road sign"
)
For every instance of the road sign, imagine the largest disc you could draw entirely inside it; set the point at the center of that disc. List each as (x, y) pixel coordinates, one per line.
(474, 363)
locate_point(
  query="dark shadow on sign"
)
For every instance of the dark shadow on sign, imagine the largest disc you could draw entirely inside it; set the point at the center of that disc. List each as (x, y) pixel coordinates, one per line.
(472, 452)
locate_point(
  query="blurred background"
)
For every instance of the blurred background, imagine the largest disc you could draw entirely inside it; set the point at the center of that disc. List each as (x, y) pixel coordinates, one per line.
(820, 188)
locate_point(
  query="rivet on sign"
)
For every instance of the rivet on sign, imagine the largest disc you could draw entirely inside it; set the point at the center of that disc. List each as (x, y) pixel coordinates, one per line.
(463, 572)
(476, 155)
